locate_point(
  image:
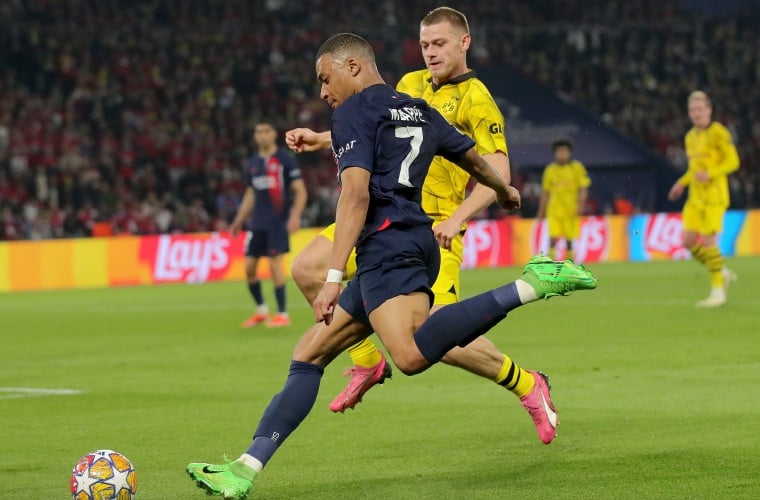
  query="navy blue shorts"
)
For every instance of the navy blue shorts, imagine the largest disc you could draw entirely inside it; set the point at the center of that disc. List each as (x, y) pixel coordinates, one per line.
(393, 262)
(267, 243)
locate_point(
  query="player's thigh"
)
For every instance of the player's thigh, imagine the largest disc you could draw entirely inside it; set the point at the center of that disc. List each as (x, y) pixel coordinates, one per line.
(693, 217)
(447, 286)
(257, 244)
(395, 322)
(278, 242)
(312, 262)
(556, 226)
(321, 343)
(713, 220)
(572, 228)
(314, 259)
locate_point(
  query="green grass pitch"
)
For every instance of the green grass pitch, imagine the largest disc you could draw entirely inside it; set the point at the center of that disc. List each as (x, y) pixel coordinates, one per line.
(657, 399)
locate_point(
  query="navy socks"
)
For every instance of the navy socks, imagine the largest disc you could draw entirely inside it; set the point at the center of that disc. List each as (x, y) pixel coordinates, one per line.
(286, 410)
(461, 323)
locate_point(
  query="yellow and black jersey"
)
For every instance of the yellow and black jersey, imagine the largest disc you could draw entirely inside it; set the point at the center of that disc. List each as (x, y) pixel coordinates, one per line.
(467, 104)
(563, 183)
(709, 150)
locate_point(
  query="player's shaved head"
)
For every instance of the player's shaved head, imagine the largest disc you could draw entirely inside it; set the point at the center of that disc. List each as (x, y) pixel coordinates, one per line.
(345, 65)
(446, 14)
(343, 45)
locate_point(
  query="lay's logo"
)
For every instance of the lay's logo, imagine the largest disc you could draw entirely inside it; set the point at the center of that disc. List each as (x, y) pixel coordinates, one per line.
(188, 258)
(664, 237)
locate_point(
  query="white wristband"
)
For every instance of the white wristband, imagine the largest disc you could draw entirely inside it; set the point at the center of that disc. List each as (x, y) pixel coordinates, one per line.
(334, 276)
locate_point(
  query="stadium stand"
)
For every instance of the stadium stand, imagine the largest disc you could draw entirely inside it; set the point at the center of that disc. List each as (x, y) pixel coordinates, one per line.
(137, 114)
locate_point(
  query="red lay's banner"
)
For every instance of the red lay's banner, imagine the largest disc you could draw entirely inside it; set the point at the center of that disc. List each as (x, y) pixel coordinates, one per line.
(190, 258)
(664, 234)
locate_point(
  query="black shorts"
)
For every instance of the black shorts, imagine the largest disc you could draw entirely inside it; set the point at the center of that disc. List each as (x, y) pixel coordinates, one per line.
(393, 262)
(267, 243)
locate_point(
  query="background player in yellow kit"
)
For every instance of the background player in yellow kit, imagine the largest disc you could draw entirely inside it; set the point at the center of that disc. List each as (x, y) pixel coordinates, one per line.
(712, 156)
(564, 187)
(453, 89)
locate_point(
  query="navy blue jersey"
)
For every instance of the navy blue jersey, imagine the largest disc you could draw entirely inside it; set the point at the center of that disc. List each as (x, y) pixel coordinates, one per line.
(270, 179)
(395, 137)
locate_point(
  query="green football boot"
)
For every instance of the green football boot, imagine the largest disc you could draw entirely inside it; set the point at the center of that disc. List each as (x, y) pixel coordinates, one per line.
(549, 278)
(232, 480)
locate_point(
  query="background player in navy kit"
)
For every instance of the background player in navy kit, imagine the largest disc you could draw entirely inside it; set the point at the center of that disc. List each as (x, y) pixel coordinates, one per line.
(384, 142)
(274, 201)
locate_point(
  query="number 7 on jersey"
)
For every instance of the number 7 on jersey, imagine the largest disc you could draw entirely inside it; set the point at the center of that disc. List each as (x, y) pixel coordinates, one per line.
(407, 132)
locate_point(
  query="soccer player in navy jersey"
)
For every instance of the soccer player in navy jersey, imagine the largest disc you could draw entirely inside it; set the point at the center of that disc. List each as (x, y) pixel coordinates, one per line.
(384, 142)
(451, 87)
(274, 200)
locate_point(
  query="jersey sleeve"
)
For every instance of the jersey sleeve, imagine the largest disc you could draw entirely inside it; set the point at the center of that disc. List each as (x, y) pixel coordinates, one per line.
(724, 143)
(686, 178)
(583, 179)
(247, 171)
(486, 121)
(292, 172)
(353, 142)
(546, 179)
(453, 144)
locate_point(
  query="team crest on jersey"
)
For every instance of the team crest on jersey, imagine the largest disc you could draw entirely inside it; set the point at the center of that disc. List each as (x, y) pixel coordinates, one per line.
(450, 106)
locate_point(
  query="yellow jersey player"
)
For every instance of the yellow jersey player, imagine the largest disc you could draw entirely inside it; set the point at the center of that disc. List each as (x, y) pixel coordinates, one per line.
(564, 187)
(453, 89)
(712, 156)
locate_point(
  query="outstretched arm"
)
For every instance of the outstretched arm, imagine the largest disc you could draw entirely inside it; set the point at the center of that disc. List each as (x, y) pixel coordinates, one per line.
(478, 200)
(474, 164)
(305, 139)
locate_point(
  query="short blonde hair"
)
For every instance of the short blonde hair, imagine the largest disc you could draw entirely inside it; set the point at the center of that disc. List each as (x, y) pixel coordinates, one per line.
(699, 95)
(443, 14)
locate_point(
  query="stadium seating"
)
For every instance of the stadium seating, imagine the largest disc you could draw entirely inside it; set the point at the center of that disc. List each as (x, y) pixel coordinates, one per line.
(138, 119)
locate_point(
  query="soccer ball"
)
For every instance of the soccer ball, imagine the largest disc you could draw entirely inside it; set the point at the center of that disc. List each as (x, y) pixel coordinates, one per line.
(103, 475)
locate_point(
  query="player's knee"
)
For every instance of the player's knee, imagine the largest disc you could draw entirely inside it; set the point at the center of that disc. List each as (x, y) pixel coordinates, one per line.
(306, 271)
(689, 239)
(250, 274)
(410, 361)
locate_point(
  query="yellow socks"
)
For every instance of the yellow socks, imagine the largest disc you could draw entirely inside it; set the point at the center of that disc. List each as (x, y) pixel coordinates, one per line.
(712, 259)
(514, 378)
(714, 263)
(698, 252)
(364, 354)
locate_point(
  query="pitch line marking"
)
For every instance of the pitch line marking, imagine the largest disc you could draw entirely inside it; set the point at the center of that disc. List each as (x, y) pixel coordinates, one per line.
(34, 392)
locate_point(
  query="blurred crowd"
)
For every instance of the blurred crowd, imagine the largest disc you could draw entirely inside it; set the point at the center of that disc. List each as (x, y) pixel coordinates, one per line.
(135, 116)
